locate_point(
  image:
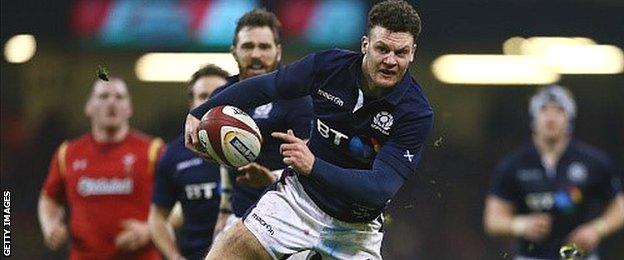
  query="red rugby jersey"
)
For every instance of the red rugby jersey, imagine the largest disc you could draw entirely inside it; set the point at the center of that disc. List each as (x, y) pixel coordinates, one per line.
(104, 184)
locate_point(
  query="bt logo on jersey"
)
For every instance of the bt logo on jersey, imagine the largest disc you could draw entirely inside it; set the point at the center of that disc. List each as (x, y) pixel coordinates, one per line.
(327, 131)
(200, 190)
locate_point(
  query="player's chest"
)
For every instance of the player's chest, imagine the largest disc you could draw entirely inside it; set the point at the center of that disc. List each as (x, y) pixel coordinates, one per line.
(340, 116)
(195, 179)
(191, 170)
(562, 189)
(115, 173)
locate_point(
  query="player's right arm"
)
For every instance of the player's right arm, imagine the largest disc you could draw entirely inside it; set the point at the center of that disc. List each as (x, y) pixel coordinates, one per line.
(291, 81)
(500, 217)
(163, 200)
(161, 232)
(51, 210)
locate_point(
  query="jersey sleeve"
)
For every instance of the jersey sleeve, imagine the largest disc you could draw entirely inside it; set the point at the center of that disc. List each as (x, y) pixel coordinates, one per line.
(396, 160)
(288, 82)
(164, 193)
(54, 185)
(154, 152)
(404, 148)
(610, 183)
(503, 183)
(299, 117)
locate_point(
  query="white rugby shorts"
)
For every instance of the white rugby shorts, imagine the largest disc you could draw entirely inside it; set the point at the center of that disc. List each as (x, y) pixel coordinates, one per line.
(286, 221)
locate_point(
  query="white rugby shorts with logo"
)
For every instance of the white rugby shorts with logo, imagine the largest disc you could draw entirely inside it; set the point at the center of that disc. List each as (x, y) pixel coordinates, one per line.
(286, 221)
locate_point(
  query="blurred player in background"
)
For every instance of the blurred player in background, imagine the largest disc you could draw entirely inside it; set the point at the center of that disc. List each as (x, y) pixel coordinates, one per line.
(184, 177)
(371, 121)
(553, 191)
(257, 50)
(105, 178)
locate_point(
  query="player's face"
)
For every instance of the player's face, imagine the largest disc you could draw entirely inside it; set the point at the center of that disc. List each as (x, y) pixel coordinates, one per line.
(203, 87)
(109, 105)
(256, 51)
(387, 56)
(551, 121)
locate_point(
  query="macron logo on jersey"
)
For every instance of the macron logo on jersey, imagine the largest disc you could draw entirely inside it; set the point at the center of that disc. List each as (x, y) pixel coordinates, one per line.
(188, 164)
(104, 186)
(330, 97)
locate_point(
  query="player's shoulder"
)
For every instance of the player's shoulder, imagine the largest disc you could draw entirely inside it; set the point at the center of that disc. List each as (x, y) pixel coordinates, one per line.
(414, 102)
(228, 82)
(176, 146)
(141, 137)
(288, 105)
(175, 149)
(330, 59)
(590, 153)
(516, 156)
(335, 54)
(79, 142)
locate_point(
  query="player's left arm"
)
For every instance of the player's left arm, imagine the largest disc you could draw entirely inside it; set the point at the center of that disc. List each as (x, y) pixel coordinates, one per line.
(396, 161)
(288, 82)
(588, 235)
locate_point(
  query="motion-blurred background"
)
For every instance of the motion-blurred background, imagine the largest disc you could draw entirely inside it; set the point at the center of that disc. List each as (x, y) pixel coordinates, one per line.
(52, 50)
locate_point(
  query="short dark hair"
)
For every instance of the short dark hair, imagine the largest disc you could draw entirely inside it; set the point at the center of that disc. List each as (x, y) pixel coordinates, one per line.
(205, 71)
(396, 16)
(258, 17)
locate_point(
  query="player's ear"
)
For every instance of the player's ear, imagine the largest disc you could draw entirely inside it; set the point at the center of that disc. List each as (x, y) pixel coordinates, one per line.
(130, 110)
(279, 52)
(88, 108)
(365, 43)
(233, 51)
(414, 49)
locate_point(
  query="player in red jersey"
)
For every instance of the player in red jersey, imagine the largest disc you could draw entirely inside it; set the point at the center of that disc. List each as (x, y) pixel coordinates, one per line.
(105, 179)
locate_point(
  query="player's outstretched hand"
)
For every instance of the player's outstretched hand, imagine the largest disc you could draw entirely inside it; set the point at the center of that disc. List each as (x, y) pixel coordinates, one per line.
(295, 152)
(585, 236)
(255, 175)
(191, 140)
(134, 235)
(533, 227)
(56, 236)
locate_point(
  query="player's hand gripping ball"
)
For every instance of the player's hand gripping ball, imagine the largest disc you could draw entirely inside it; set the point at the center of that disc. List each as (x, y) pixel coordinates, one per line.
(230, 136)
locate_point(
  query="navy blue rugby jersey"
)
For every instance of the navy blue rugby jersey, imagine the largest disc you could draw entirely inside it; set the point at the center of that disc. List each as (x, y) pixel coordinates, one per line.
(182, 176)
(575, 192)
(365, 148)
(276, 116)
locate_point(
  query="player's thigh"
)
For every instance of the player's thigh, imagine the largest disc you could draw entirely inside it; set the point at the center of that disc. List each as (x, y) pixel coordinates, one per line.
(237, 243)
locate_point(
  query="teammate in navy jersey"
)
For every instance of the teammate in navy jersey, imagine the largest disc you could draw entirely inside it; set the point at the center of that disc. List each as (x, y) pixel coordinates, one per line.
(371, 121)
(188, 179)
(555, 190)
(257, 50)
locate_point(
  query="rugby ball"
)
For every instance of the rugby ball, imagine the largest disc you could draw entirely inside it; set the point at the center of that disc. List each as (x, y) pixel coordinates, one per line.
(230, 136)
